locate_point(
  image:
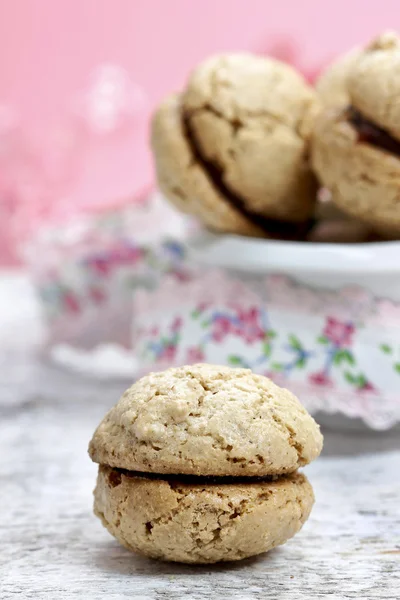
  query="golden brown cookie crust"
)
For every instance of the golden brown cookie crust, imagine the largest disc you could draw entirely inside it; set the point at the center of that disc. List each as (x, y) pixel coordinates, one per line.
(201, 523)
(207, 420)
(364, 180)
(251, 116)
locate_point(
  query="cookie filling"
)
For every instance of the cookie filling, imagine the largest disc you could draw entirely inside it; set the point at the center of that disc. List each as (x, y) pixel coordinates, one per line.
(115, 478)
(369, 133)
(272, 227)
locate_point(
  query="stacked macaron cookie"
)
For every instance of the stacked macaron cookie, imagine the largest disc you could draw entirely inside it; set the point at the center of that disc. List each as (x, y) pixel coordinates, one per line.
(200, 464)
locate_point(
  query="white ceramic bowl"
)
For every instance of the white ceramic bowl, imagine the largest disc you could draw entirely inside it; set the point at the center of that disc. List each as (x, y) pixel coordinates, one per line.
(320, 319)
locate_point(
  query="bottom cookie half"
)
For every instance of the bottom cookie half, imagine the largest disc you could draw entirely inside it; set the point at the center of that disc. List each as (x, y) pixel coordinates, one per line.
(199, 521)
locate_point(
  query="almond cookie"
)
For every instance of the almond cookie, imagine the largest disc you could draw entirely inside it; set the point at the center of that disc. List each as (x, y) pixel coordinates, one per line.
(246, 121)
(197, 464)
(201, 522)
(355, 152)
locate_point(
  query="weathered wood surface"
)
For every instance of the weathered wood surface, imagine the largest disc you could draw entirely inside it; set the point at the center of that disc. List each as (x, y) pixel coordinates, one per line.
(53, 547)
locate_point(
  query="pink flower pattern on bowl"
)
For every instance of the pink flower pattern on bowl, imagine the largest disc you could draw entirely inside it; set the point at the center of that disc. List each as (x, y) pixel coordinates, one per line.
(338, 333)
(85, 271)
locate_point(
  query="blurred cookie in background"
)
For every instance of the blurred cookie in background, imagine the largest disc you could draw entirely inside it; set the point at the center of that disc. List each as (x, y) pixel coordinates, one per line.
(242, 126)
(356, 149)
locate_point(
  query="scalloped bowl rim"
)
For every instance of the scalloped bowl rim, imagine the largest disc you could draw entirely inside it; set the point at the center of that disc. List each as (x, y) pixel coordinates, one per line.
(259, 255)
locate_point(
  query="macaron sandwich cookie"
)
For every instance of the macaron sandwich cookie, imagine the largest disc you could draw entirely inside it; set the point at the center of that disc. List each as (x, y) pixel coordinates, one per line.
(356, 148)
(199, 464)
(232, 148)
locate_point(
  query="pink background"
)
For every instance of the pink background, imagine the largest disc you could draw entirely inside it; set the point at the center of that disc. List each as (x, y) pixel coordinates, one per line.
(48, 48)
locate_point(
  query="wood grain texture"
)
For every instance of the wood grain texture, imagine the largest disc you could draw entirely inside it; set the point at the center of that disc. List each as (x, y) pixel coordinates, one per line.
(53, 547)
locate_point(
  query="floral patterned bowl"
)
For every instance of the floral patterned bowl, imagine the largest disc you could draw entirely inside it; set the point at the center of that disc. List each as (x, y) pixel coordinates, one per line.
(320, 319)
(85, 270)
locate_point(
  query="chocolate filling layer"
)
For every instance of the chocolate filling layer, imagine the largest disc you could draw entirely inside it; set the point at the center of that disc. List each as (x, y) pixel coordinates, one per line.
(369, 133)
(272, 227)
(191, 479)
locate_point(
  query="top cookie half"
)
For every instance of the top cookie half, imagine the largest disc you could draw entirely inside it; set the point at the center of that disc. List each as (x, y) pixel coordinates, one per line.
(207, 420)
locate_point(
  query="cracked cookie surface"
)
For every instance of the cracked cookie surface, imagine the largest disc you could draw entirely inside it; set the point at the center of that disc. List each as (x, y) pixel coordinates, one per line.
(201, 523)
(207, 420)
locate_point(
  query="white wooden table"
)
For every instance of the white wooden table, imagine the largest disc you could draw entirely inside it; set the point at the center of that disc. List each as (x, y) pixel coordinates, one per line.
(52, 547)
